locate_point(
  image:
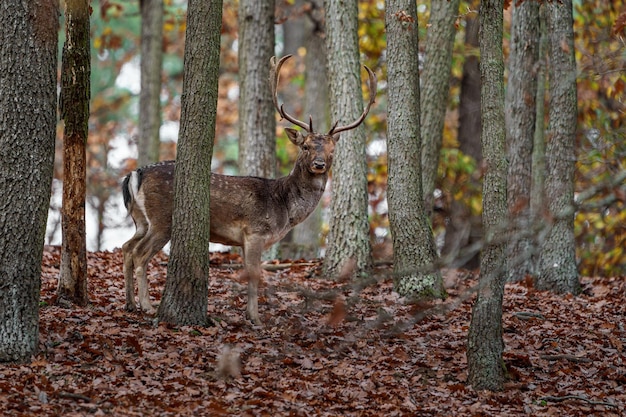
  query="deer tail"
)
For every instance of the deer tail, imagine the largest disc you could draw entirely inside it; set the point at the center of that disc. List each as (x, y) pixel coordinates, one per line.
(130, 187)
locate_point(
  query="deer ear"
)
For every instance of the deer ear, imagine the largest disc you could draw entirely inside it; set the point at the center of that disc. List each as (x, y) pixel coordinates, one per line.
(336, 137)
(294, 136)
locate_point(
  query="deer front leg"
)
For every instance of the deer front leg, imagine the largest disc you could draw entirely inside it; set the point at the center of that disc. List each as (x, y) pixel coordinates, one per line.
(252, 269)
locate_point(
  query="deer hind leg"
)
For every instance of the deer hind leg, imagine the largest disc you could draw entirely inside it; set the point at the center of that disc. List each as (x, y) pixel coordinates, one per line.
(145, 250)
(128, 249)
(253, 249)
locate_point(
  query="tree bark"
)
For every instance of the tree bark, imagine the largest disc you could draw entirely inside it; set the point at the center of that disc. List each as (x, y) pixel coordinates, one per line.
(539, 139)
(520, 123)
(257, 122)
(185, 294)
(413, 243)
(28, 99)
(435, 89)
(485, 344)
(150, 96)
(74, 104)
(348, 249)
(469, 105)
(464, 227)
(557, 264)
(307, 235)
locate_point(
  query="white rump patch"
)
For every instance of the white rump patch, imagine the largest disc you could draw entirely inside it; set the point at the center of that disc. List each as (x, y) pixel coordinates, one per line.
(133, 184)
(140, 201)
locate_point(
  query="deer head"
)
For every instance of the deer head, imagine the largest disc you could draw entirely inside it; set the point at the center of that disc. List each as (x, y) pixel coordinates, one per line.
(318, 147)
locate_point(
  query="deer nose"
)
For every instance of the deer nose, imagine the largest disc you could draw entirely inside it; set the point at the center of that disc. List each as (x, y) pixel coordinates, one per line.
(319, 164)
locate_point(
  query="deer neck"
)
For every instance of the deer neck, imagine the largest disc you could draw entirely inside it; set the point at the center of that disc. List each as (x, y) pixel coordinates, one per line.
(303, 191)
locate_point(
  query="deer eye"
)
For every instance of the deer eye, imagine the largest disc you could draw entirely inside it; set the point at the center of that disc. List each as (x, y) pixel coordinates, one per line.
(305, 148)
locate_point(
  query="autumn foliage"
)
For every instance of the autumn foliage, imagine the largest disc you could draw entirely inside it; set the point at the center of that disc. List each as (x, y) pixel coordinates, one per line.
(326, 349)
(599, 28)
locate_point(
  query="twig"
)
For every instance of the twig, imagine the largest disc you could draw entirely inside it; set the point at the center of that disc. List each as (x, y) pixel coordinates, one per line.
(74, 396)
(576, 397)
(527, 315)
(566, 357)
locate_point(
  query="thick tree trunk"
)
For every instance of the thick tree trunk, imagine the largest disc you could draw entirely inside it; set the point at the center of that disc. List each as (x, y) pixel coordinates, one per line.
(435, 87)
(413, 242)
(348, 250)
(28, 87)
(74, 104)
(557, 265)
(520, 114)
(184, 299)
(485, 344)
(150, 96)
(257, 122)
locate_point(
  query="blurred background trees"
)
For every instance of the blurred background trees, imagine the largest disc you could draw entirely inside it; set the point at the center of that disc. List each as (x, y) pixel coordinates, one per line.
(600, 146)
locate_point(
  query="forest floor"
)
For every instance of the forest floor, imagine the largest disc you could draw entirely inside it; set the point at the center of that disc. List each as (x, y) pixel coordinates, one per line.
(327, 349)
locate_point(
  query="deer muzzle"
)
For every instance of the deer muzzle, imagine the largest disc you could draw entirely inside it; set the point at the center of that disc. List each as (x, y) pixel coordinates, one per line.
(318, 165)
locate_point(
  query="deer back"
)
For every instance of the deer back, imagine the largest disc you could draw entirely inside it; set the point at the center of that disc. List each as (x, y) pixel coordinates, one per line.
(239, 205)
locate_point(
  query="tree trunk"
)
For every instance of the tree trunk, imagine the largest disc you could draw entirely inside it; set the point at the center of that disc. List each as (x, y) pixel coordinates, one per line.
(435, 89)
(557, 265)
(485, 344)
(74, 104)
(465, 228)
(28, 94)
(539, 139)
(306, 235)
(348, 250)
(294, 28)
(257, 122)
(469, 105)
(520, 123)
(186, 290)
(150, 96)
(413, 243)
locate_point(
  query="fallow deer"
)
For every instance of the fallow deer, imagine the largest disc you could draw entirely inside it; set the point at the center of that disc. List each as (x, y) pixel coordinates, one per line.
(245, 211)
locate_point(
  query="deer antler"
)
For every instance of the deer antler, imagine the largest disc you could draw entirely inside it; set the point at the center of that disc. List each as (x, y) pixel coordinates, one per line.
(373, 81)
(274, 76)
